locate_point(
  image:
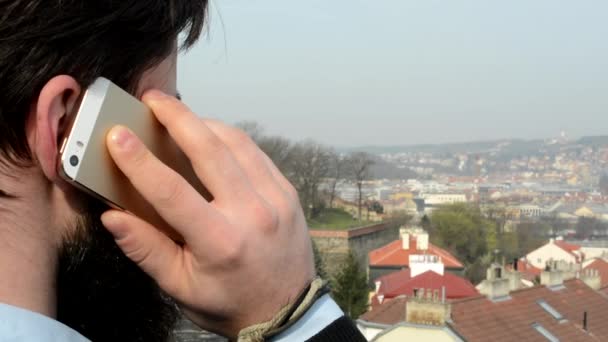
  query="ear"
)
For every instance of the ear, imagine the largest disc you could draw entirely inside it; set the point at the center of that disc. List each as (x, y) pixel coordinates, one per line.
(48, 120)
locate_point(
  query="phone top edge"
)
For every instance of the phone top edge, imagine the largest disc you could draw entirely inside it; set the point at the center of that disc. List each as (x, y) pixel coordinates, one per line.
(97, 196)
(82, 126)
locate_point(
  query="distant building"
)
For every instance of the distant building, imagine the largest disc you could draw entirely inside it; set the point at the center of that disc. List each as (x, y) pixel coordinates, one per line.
(527, 211)
(409, 282)
(382, 317)
(395, 256)
(601, 267)
(556, 250)
(426, 203)
(405, 205)
(422, 318)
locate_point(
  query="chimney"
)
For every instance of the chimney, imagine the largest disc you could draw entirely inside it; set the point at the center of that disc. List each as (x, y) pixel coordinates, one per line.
(496, 286)
(422, 241)
(405, 238)
(552, 276)
(592, 278)
(570, 270)
(514, 280)
(585, 321)
(427, 309)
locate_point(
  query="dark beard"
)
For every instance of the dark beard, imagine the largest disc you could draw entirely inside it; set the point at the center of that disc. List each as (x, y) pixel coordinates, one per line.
(102, 294)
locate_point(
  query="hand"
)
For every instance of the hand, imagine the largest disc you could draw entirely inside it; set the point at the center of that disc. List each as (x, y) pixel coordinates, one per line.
(246, 253)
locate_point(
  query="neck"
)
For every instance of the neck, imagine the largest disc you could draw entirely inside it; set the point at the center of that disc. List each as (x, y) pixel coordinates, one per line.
(27, 251)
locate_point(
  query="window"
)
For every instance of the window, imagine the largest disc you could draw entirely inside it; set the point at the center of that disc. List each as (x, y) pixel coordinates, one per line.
(551, 311)
(549, 336)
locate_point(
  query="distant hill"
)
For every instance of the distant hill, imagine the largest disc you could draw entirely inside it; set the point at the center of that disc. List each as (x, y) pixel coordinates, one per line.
(385, 170)
(508, 147)
(594, 141)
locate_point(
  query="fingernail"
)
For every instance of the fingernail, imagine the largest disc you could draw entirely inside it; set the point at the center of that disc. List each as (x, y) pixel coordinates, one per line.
(122, 137)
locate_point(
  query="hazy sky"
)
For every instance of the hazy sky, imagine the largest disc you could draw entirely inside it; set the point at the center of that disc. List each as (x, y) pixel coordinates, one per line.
(386, 72)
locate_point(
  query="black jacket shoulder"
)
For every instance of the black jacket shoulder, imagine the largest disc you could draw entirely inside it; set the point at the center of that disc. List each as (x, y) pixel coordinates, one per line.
(341, 330)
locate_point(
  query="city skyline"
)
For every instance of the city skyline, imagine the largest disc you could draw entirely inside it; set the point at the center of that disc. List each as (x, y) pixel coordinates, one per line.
(403, 73)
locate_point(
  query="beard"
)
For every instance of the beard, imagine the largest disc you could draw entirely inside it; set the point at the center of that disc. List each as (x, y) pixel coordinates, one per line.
(101, 293)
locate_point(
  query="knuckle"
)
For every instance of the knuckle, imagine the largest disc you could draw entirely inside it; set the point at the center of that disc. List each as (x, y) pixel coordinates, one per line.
(168, 191)
(215, 146)
(135, 251)
(231, 252)
(286, 207)
(266, 218)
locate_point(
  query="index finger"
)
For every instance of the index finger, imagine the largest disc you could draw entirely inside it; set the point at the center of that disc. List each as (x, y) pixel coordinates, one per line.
(211, 159)
(170, 194)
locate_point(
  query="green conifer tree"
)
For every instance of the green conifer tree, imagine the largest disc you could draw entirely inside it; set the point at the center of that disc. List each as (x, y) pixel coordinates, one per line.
(350, 289)
(319, 266)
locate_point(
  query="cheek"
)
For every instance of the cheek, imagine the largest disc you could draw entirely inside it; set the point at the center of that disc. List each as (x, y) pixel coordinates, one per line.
(161, 77)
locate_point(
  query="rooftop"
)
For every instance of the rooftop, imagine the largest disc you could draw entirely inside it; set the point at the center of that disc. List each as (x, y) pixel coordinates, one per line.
(455, 286)
(602, 267)
(390, 312)
(532, 312)
(393, 254)
(568, 247)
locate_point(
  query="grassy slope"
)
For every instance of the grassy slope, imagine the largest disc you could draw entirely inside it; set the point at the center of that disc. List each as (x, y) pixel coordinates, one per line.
(335, 219)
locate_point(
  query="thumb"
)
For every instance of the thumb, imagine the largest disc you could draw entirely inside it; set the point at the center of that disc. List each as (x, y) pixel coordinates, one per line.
(151, 250)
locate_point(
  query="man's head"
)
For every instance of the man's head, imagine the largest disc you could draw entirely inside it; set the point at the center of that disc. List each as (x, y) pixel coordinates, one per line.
(49, 51)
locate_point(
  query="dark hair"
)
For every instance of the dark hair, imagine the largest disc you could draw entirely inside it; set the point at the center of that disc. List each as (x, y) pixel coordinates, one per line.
(117, 39)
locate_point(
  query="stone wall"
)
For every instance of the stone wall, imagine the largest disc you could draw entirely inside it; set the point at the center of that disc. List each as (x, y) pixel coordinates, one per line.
(334, 246)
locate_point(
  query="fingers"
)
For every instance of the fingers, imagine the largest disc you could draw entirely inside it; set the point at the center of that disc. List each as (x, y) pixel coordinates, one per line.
(210, 157)
(250, 157)
(171, 195)
(150, 249)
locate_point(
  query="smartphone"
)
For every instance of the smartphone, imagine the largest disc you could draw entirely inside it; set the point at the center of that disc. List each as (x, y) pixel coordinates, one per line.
(85, 162)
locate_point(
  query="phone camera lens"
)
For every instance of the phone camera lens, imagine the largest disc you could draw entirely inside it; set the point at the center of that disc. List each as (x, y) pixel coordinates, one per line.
(74, 160)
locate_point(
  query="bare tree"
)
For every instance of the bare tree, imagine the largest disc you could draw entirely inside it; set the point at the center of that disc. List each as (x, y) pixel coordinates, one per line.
(309, 164)
(336, 173)
(278, 149)
(359, 165)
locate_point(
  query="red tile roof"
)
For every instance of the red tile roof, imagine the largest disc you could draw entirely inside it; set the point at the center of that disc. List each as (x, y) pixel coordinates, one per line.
(393, 254)
(394, 280)
(479, 319)
(602, 267)
(455, 286)
(390, 312)
(604, 291)
(568, 247)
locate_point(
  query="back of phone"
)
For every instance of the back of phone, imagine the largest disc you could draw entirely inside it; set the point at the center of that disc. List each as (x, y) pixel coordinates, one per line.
(86, 162)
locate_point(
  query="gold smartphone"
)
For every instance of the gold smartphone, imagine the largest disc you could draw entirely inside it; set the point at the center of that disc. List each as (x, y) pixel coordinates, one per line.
(85, 162)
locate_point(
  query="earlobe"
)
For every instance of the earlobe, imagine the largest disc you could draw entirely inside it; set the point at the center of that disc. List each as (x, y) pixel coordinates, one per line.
(49, 119)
